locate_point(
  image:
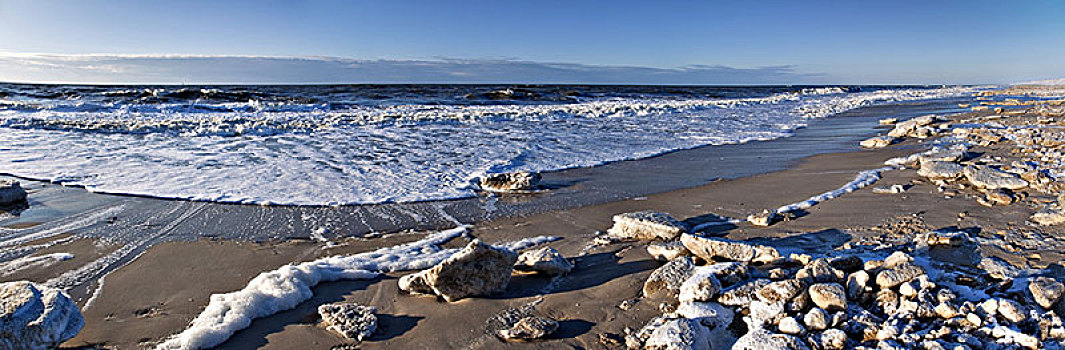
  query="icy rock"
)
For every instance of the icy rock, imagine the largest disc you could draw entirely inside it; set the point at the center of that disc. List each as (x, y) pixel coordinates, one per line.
(36, 317)
(350, 320)
(761, 339)
(1049, 217)
(888, 121)
(895, 276)
(1011, 310)
(903, 129)
(781, 291)
(669, 277)
(789, 325)
(637, 339)
(11, 192)
(478, 269)
(710, 314)
(1011, 335)
(545, 260)
(712, 249)
(820, 270)
(856, 284)
(763, 313)
(666, 251)
(998, 268)
(744, 294)
(940, 170)
(1045, 291)
(679, 334)
(816, 319)
(990, 178)
(828, 296)
(833, 339)
(509, 182)
(947, 155)
(646, 226)
(702, 285)
(897, 259)
(729, 273)
(528, 328)
(877, 142)
(925, 119)
(765, 218)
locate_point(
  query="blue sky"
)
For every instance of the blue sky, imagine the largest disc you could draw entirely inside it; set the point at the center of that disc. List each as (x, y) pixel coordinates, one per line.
(711, 42)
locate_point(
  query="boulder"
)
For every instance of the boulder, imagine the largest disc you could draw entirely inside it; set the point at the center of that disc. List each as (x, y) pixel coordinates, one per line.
(744, 294)
(545, 260)
(903, 129)
(36, 317)
(702, 285)
(1045, 291)
(898, 275)
(781, 291)
(11, 192)
(710, 314)
(761, 339)
(816, 319)
(478, 269)
(666, 251)
(511, 182)
(728, 273)
(1011, 310)
(713, 249)
(350, 320)
(529, 328)
(669, 277)
(679, 334)
(877, 142)
(789, 325)
(646, 226)
(820, 270)
(990, 178)
(833, 339)
(940, 170)
(828, 296)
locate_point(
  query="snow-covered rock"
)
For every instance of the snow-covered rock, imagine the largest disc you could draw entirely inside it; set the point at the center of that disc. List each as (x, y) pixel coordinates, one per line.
(877, 142)
(666, 251)
(528, 328)
(646, 226)
(511, 182)
(545, 260)
(711, 249)
(36, 317)
(350, 320)
(990, 178)
(478, 269)
(669, 277)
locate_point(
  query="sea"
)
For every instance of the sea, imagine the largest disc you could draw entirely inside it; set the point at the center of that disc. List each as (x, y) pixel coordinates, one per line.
(331, 145)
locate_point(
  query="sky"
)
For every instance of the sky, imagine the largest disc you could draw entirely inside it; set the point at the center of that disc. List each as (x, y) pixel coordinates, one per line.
(641, 42)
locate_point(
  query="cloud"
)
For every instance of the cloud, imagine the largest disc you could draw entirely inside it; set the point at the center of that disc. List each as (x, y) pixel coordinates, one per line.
(199, 69)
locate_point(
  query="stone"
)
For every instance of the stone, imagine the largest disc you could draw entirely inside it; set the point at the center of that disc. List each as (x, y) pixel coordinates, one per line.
(11, 192)
(828, 296)
(877, 142)
(989, 178)
(888, 121)
(666, 251)
(896, 259)
(635, 340)
(646, 226)
(781, 291)
(544, 260)
(744, 294)
(847, 263)
(856, 284)
(710, 314)
(903, 129)
(713, 249)
(816, 319)
(998, 268)
(819, 271)
(479, 269)
(669, 277)
(36, 317)
(702, 285)
(1049, 217)
(789, 325)
(350, 320)
(529, 328)
(1011, 310)
(999, 197)
(511, 182)
(833, 339)
(763, 313)
(944, 155)
(940, 170)
(679, 334)
(765, 218)
(729, 273)
(761, 339)
(1045, 291)
(895, 276)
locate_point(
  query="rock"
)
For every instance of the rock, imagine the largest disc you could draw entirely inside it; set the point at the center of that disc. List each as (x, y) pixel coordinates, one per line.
(888, 121)
(940, 170)
(729, 273)
(350, 320)
(511, 182)
(896, 259)
(789, 325)
(833, 339)
(944, 155)
(36, 317)
(763, 313)
(1049, 217)
(986, 177)
(669, 277)
(636, 339)
(1045, 291)
(856, 284)
(903, 129)
(478, 269)
(679, 334)
(11, 192)
(877, 142)
(895, 276)
(710, 314)
(781, 291)
(666, 251)
(893, 189)
(545, 260)
(923, 132)
(816, 319)
(828, 296)
(925, 119)
(1011, 310)
(712, 249)
(646, 226)
(761, 339)
(998, 268)
(847, 263)
(702, 285)
(744, 294)
(765, 218)
(819, 271)
(528, 328)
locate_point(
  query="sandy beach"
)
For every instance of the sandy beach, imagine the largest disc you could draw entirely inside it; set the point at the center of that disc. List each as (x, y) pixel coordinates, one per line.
(159, 290)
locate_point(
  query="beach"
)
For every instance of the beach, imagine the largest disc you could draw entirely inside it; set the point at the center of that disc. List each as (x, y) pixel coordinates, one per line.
(161, 260)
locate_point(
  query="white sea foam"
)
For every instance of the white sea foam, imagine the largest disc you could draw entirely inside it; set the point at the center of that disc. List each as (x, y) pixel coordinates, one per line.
(29, 262)
(286, 287)
(306, 154)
